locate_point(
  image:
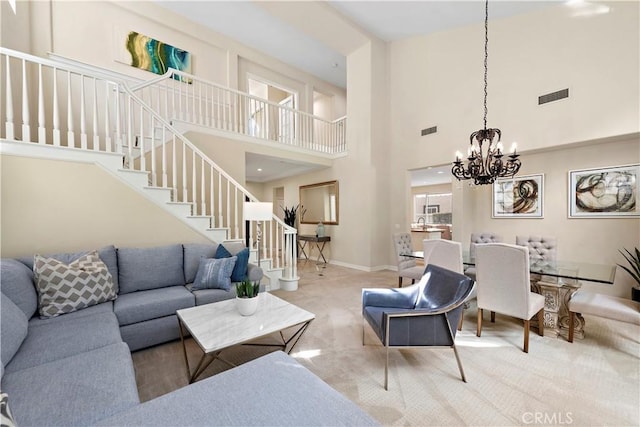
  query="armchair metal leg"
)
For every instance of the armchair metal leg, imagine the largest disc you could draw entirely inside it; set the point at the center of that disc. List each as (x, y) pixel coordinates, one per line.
(479, 330)
(493, 317)
(526, 336)
(455, 351)
(461, 319)
(386, 371)
(399, 281)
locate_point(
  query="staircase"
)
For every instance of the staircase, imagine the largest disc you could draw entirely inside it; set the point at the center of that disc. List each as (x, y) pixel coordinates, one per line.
(129, 131)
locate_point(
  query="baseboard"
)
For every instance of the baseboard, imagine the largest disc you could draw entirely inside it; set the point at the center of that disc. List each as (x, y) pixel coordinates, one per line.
(362, 267)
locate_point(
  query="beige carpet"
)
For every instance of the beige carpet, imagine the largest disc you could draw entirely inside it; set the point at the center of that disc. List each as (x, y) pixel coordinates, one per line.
(595, 381)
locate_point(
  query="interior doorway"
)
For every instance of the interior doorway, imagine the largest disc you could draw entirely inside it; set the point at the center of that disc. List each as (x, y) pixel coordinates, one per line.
(431, 203)
(268, 121)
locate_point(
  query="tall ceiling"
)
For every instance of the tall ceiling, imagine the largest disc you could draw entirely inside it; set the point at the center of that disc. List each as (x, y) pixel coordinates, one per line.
(317, 36)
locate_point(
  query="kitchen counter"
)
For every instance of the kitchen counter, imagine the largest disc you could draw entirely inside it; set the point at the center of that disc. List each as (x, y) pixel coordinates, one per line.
(419, 234)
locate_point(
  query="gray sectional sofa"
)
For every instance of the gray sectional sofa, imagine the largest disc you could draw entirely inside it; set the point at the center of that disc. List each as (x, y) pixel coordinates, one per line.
(152, 284)
(76, 368)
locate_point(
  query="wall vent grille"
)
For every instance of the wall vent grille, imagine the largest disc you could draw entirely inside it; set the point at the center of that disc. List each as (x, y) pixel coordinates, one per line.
(554, 96)
(429, 131)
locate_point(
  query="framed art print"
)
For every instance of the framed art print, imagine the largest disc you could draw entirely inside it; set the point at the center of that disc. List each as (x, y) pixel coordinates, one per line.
(155, 56)
(518, 197)
(604, 192)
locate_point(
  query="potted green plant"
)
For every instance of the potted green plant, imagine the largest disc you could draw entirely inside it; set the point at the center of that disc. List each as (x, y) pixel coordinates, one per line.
(633, 258)
(247, 297)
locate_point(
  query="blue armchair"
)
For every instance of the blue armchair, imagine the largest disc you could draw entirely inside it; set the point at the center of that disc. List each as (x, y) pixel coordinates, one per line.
(424, 314)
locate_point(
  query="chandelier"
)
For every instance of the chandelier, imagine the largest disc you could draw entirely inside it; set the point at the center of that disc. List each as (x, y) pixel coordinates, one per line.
(485, 161)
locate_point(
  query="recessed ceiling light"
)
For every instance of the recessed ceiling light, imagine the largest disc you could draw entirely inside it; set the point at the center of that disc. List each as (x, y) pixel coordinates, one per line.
(259, 169)
(440, 172)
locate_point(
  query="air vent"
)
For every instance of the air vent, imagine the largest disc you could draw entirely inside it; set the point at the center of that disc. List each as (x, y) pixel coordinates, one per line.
(555, 96)
(429, 131)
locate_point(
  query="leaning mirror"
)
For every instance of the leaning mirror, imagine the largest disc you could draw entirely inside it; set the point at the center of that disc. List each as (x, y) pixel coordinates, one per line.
(319, 203)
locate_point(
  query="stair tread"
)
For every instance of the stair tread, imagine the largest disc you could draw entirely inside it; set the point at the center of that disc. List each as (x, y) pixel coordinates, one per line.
(133, 171)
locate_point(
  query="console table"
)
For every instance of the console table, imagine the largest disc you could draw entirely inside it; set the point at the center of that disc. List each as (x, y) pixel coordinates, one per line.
(309, 238)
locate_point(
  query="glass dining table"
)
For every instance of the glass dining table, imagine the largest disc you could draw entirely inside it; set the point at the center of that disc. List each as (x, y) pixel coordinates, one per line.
(556, 281)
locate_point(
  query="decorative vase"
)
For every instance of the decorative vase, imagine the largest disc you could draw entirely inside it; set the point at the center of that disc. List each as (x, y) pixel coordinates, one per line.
(320, 230)
(247, 306)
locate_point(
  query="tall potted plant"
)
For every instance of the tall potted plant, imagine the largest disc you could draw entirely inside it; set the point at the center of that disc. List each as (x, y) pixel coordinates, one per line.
(247, 297)
(290, 215)
(633, 258)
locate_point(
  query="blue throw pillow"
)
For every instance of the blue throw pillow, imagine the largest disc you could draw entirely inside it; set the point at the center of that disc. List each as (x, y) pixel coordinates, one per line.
(214, 273)
(240, 269)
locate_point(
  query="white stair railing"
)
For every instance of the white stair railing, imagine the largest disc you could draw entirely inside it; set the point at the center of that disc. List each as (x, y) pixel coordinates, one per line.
(104, 115)
(180, 96)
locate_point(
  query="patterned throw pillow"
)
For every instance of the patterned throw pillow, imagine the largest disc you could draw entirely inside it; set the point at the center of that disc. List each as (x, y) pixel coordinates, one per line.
(5, 414)
(240, 269)
(63, 288)
(214, 273)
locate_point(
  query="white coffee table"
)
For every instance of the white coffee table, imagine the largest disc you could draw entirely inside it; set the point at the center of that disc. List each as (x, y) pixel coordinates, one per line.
(219, 325)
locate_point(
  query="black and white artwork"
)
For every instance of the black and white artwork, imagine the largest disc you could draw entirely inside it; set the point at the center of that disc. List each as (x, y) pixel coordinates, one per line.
(518, 197)
(604, 192)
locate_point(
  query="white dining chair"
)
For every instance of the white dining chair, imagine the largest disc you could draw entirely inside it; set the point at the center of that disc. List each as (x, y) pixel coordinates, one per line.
(443, 253)
(477, 238)
(447, 254)
(502, 273)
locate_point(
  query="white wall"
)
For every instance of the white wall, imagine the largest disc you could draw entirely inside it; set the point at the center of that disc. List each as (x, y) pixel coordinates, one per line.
(52, 206)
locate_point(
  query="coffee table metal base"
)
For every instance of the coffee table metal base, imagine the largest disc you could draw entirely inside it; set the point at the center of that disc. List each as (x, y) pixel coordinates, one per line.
(204, 363)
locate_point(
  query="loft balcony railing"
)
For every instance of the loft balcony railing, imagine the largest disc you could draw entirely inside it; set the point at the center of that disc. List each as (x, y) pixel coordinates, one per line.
(51, 103)
(185, 97)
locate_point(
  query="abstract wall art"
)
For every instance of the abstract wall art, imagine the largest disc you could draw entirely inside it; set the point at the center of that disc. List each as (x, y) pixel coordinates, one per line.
(155, 56)
(604, 192)
(518, 197)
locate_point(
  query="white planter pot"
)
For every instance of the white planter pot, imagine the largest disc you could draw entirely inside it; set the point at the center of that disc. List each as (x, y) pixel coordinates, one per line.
(247, 306)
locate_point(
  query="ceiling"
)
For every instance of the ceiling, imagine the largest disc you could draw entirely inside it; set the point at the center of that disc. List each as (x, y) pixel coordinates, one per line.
(261, 168)
(289, 35)
(319, 46)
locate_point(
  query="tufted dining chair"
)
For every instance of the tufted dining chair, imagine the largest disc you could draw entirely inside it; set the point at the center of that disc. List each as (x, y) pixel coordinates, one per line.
(446, 254)
(424, 314)
(407, 266)
(541, 249)
(476, 238)
(503, 286)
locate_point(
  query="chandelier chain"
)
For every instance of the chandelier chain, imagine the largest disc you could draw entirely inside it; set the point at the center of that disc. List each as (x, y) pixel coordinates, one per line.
(486, 56)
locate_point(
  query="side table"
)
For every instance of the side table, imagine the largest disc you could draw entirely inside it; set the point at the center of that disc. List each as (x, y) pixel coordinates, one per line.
(309, 238)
